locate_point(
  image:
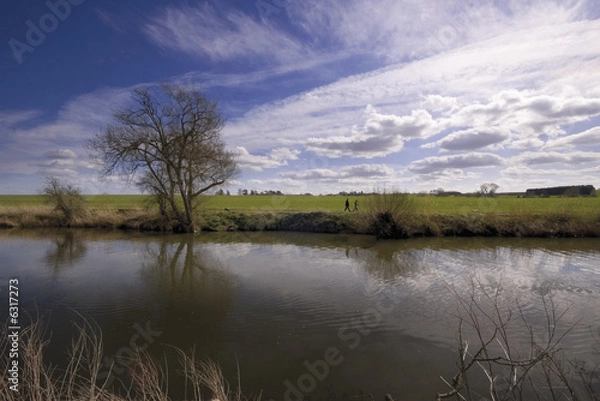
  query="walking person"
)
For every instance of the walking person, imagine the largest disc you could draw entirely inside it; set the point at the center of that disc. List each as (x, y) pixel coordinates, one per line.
(356, 205)
(347, 208)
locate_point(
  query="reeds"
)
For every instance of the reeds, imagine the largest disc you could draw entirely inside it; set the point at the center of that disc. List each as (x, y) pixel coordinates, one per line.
(81, 378)
(46, 216)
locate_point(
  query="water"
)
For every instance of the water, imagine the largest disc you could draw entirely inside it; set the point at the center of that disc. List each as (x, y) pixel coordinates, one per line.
(383, 314)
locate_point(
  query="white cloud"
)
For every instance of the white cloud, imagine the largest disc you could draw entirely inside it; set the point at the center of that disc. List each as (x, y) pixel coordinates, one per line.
(526, 143)
(448, 176)
(520, 177)
(9, 119)
(61, 154)
(469, 160)
(440, 104)
(332, 180)
(202, 31)
(277, 158)
(361, 171)
(503, 77)
(544, 157)
(555, 70)
(284, 154)
(381, 135)
(527, 113)
(522, 172)
(471, 139)
(409, 29)
(54, 147)
(390, 30)
(590, 137)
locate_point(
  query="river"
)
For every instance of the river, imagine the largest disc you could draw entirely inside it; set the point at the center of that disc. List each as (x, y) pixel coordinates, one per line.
(332, 315)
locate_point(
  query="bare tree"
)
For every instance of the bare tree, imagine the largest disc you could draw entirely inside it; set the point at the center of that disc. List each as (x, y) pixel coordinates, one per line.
(437, 192)
(65, 197)
(169, 143)
(493, 187)
(488, 189)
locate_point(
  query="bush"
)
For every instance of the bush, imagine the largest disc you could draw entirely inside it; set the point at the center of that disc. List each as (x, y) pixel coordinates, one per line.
(65, 197)
(387, 215)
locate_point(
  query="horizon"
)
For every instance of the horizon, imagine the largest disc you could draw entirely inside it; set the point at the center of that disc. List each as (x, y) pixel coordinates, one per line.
(276, 192)
(319, 97)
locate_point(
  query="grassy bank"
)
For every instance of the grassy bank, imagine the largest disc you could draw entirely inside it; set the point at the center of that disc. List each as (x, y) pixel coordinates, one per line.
(555, 223)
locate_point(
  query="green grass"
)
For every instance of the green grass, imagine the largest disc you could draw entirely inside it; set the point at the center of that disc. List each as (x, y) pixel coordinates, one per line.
(427, 205)
(241, 203)
(116, 201)
(510, 205)
(96, 201)
(276, 203)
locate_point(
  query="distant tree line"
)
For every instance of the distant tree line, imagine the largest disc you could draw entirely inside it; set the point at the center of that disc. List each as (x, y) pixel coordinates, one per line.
(569, 191)
(252, 192)
(352, 193)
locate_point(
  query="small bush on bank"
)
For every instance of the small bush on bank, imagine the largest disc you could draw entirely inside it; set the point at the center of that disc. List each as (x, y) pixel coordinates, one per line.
(65, 197)
(388, 215)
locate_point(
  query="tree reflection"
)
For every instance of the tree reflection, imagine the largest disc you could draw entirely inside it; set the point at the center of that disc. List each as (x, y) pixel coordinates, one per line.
(386, 261)
(194, 288)
(68, 249)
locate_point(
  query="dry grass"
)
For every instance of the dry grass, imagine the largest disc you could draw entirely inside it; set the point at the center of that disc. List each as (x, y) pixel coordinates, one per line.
(46, 216)
(25, 216)
(39, 381)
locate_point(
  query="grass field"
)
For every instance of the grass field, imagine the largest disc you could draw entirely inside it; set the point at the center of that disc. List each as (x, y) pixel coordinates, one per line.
(427, 204)
(95, 201)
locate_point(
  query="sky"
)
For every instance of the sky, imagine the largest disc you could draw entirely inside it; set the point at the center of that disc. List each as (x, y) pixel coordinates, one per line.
(320, 96)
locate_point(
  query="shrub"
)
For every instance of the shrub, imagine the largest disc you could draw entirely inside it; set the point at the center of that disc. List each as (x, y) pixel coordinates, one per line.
(65, 197)
(387, 215)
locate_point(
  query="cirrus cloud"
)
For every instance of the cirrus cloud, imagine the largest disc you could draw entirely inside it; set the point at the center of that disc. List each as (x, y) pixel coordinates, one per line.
(203, 31)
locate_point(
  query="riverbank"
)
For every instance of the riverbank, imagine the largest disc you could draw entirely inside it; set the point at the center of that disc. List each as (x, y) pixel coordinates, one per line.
(547, 224)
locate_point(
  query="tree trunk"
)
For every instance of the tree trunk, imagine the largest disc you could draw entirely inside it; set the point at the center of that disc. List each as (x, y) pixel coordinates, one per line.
(186, 219)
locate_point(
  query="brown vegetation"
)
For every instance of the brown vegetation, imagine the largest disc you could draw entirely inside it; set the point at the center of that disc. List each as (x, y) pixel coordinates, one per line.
(81, 378)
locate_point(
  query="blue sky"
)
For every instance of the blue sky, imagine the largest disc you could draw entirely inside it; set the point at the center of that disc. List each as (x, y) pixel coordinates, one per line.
(320, 96)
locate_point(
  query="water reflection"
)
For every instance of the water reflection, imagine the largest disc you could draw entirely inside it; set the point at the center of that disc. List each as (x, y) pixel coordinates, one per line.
(68, 248)
(276, 300)
(195, 291)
